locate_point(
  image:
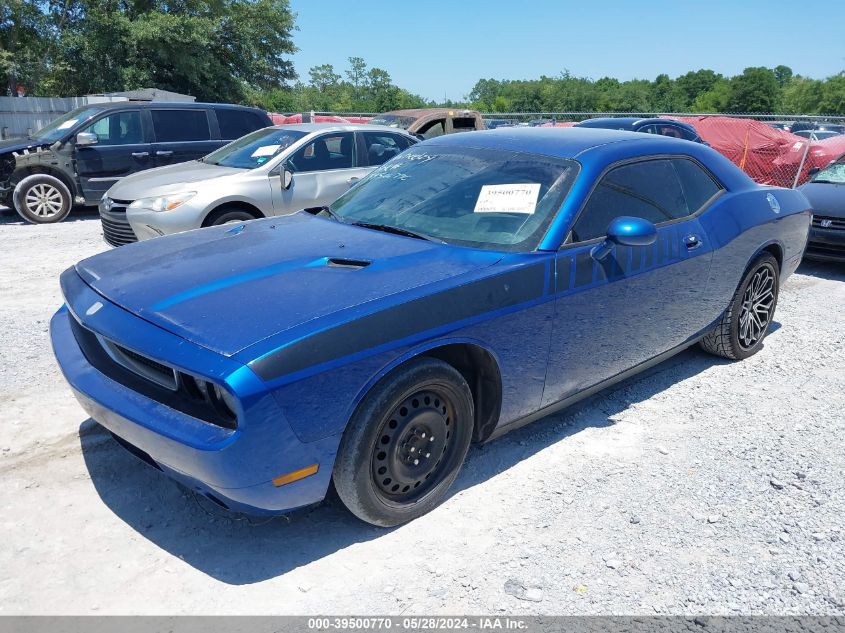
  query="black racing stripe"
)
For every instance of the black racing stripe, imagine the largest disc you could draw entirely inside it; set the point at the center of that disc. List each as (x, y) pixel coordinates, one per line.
(397, 322)
(564, 268)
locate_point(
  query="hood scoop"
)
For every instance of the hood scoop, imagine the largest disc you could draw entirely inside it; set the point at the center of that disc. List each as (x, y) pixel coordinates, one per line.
(353, 264)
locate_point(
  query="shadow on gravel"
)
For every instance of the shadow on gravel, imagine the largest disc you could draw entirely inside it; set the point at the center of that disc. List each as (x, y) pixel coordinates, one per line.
(240, 550)
(826, 270)
(10, 216)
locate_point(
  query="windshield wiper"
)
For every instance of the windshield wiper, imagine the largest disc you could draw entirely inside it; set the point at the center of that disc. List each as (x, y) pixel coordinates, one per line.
(397, 231)
(331, 214)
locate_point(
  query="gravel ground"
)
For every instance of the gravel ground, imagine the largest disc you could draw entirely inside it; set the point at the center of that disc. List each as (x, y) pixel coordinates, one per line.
(701, 486)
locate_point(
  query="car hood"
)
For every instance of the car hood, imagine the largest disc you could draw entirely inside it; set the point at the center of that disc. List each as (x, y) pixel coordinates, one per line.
(825, 198)
(226, 288)
(169, 179)
(18, 144)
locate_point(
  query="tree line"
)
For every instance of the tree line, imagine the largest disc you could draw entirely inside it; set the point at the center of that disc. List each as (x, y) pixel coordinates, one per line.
(239, 51)
(756, 90)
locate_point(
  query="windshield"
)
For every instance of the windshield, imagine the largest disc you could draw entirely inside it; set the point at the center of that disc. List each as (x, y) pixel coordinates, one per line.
(393, 120)
(485, 198)
(835, 173)
(59, 127)
(253, 150)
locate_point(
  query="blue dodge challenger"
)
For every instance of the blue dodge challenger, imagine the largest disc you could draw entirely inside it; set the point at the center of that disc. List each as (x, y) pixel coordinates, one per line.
(472, 284)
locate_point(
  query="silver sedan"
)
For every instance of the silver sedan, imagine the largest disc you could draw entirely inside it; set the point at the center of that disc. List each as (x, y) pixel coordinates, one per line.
(273, 171)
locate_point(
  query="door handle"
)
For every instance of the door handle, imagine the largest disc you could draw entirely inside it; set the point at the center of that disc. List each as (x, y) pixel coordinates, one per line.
(164, 153)
(692, 242)
(352, 180)
(140, 154)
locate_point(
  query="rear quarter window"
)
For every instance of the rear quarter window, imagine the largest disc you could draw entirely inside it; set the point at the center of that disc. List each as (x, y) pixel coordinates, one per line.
(698, 186)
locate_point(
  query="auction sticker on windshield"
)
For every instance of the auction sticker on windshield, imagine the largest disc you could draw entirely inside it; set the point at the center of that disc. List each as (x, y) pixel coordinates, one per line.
(521, 198)
(265, 150)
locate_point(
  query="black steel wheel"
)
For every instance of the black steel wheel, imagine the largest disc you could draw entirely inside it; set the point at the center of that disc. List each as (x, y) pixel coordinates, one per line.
(744, 325)
(406, 443)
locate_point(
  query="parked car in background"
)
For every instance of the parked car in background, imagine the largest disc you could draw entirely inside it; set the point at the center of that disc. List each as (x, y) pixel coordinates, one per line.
(799, 126)
(76, 158)
(492, 124)
(663, 127)
(246, 179)
(826, 193)
(473, 284)
(817, 135)
(431, 122)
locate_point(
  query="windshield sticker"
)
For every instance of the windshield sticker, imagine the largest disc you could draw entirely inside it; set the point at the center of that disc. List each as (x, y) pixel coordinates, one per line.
(520, 198)
(265, 150)
(67, 124)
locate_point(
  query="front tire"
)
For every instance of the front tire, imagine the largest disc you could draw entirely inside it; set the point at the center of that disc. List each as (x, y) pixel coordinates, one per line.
(228, 215)
(746, 322)
(42, 199)
(405, 444)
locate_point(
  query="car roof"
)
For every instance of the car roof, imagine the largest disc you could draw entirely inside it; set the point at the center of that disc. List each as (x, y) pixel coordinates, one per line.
(176, 105)
(559, 142)
(628, 122)
(421, 112)
(339, 127)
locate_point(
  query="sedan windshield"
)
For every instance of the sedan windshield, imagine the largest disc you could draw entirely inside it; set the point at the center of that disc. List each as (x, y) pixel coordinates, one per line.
(833, 173)
(393, 120)
(253, 150)
(484, 198)
(58, 128)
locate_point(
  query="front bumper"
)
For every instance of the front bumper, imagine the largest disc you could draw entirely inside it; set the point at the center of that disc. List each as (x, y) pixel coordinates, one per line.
(147, 224)
(826, 244)
(233, 467)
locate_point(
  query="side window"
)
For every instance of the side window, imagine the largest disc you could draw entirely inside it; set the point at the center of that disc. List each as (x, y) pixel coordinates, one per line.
(697, 185)
(331, 151)
(180, 125)
(120, 128)
(380, 148)
(648, 189)
(673, 131)
(237, 123)
(433, 129)
(463, 124)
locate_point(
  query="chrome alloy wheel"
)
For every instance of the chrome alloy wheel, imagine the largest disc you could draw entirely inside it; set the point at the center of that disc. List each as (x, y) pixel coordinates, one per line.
(757, 306)
(43, 200)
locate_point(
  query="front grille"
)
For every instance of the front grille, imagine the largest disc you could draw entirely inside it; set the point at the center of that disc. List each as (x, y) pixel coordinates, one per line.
(818, 249)
(149, 377)
(117, 232)
(141, 365)
(819, 222)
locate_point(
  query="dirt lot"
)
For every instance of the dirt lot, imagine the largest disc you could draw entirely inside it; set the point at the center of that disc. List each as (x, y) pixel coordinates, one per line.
(701, 487)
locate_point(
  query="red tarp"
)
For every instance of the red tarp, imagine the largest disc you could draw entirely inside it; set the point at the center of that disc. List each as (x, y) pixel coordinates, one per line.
(770, 156)
(288, 119)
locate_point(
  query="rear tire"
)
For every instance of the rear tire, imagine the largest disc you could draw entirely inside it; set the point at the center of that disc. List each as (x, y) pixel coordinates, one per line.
(227, 216)
(405, 444)
(42, 199)
(742, 328)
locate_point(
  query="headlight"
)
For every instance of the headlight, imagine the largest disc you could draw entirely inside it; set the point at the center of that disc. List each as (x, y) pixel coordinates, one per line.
(163, 203)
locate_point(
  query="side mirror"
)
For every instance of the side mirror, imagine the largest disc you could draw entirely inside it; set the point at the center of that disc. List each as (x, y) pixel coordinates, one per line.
(86, 138)
(813, 171)
(286, 176)
(626, 231)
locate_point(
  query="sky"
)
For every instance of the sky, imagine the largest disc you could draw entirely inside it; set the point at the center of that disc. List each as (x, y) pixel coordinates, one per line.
(439, 49)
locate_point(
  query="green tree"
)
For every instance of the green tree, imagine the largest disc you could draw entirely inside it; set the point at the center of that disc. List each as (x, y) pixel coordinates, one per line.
(783, 74)
(756, 90)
